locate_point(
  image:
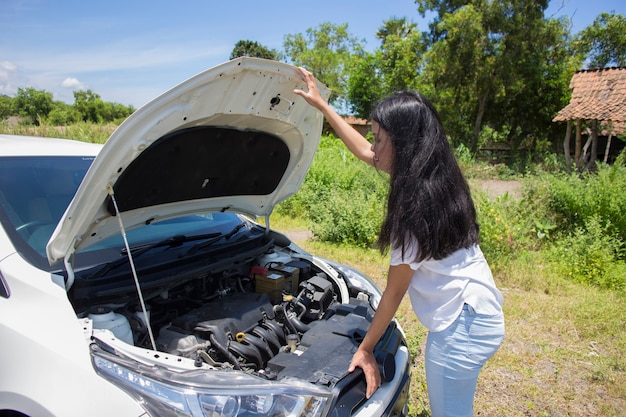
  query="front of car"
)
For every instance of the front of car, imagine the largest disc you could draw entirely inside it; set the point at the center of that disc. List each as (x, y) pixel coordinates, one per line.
(183, 301)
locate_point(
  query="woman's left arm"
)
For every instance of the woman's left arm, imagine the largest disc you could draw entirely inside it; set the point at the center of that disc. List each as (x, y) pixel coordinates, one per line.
(398, 281)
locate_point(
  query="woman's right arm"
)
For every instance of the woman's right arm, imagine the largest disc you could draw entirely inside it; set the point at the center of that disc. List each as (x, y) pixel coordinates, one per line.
(353, 140)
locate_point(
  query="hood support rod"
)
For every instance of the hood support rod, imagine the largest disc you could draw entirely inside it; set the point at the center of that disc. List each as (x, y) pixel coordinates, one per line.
(132, 265)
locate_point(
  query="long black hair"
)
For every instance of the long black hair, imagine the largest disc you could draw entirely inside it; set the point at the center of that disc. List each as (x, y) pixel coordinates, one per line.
(429, 199)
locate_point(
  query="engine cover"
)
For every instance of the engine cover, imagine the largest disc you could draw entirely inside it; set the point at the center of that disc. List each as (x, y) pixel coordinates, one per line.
(325, 351)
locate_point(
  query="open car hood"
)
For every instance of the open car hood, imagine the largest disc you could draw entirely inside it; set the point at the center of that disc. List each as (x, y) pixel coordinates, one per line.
(232, 138)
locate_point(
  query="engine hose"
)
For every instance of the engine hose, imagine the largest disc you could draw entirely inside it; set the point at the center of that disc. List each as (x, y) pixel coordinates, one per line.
(222, 349)
(302, 328)
(288, 322)
(302, 307)
(247, 351)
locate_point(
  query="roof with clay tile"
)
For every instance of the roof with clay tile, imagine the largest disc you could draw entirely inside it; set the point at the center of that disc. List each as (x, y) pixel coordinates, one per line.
(598, 94)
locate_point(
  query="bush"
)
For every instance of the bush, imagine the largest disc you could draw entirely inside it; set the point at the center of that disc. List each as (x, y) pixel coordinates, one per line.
(342, 198)
(575, 199)
(591, 255)
(349, 217)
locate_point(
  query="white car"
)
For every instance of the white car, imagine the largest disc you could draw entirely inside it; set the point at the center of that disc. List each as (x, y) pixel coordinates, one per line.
(134, 280)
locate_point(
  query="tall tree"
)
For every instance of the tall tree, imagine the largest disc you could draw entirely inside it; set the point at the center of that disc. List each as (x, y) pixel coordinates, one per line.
(365, 84)
(327, 51)
(253, 49)
(604, 41)
(496, 63)
(397, 26)
(394, 66)
(401, 52)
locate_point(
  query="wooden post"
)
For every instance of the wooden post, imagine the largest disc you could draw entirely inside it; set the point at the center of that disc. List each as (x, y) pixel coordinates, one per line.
(578, 149)
(566, 150)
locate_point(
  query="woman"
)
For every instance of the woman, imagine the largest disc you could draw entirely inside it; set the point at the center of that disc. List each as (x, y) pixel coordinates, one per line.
(431, 228)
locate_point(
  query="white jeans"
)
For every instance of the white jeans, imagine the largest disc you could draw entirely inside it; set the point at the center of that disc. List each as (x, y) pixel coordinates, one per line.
(455, 356)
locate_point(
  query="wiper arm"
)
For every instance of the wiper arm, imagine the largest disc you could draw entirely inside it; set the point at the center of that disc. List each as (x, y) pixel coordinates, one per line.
(137, 251)
(202, 245)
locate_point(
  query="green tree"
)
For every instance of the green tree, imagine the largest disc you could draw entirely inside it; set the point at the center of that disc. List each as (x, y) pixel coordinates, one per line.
(394, 66)
(327, 51)
(253, 49)
(604, 41)
(365, 84)
(397, 26)
(32, 103)
(62, 114)
(498, 65)
(6, 106)
(93, 109)
(89, 105)
(401, 51)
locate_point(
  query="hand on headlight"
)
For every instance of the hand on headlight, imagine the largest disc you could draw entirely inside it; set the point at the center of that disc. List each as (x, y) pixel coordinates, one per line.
(365, 360)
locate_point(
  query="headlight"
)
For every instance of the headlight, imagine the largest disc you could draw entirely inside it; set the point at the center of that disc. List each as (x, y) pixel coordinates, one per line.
(207, 393)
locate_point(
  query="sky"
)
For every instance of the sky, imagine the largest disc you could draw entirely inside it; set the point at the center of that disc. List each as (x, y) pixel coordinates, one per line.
(131, 51)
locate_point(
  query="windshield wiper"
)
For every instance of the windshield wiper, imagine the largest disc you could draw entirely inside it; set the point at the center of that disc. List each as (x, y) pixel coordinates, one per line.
(202, 245)
(139, 250)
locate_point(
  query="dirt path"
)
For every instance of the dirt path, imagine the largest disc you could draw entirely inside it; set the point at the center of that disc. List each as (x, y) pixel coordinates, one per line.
(496, 188)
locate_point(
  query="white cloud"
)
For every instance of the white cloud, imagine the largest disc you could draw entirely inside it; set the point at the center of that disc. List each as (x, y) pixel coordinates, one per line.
(73, 83)
(10, 78)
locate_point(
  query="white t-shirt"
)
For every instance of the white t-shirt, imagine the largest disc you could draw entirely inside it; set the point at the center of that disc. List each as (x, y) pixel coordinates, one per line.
(439, 288)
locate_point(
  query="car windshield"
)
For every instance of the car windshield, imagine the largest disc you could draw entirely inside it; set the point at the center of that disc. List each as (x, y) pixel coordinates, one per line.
(36, 190)
(34, 193)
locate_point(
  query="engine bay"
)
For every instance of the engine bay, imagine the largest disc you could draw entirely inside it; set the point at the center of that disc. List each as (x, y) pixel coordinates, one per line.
(275, 316)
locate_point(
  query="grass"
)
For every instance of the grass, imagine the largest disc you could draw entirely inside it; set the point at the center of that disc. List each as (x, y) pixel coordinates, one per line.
(86, 132)
(564, 351)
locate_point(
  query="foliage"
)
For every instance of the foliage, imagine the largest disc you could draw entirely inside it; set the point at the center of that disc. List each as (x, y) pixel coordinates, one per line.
(253, 49)
(498, 65)
(32, 103)
(92, 108)
(37, 107)
(594, 255)
(327, 52)
(604, 42)
(393, 67)
(62, 114)
(365, 85)
(6, 109)
(342, 198)
(575, 199)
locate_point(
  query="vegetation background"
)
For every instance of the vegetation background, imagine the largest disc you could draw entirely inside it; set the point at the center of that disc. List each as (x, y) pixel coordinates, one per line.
(498, 71)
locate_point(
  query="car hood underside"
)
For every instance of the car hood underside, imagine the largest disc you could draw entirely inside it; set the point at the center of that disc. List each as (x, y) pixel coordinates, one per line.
(233, 138)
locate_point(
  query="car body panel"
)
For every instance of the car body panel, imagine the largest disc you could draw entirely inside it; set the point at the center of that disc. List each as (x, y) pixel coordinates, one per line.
(248, 95)
(45, 357)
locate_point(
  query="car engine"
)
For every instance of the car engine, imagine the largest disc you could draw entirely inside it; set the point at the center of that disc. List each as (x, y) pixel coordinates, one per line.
(274, 317)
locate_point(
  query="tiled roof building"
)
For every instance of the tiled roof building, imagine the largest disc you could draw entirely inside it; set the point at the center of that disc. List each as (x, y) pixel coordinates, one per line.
(598, 94)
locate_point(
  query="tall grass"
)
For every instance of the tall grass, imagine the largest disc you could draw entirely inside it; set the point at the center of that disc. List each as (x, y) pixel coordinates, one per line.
(86, 132)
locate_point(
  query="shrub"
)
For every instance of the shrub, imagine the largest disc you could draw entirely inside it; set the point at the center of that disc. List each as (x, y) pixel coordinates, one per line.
(591, 255)
(575, 199)
(348, 217)
(342, 198)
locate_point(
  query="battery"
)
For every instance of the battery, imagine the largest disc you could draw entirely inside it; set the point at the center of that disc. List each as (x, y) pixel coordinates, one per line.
(292, 277)
(272, 284)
